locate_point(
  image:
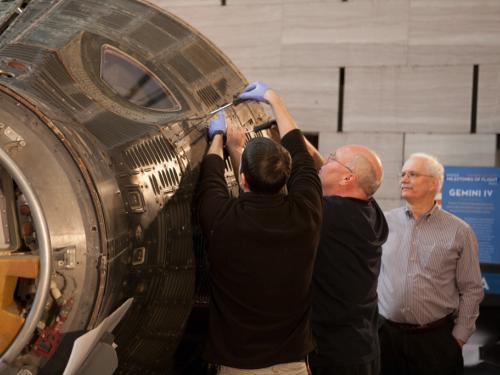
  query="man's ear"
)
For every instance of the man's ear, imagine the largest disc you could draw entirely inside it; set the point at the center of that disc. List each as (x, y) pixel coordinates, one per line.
(347, 179)
(243, 183)
(435, 184)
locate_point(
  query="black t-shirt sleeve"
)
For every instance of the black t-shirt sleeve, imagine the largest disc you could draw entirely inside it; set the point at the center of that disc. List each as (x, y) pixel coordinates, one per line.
(213, 192)
(303, 179)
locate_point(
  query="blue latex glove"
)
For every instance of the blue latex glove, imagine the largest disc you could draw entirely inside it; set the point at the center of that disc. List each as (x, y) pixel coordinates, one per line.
(254, 91)
(217, 125)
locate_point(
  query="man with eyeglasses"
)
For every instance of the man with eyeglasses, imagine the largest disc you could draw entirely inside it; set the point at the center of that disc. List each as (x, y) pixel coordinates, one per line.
(430, 283)
(347, 265)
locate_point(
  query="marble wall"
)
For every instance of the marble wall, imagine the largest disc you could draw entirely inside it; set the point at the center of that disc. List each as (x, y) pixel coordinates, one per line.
(409, 70)
(488, 112)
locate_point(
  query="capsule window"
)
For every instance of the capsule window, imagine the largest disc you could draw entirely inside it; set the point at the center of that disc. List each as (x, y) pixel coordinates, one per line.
(134, 82)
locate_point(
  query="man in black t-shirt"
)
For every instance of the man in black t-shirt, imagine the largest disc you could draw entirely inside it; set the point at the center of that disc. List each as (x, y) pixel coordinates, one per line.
(261, 246)
(348, 263)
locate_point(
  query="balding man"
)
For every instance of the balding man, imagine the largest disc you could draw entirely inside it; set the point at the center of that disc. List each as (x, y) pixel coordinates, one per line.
(348, 263)
(430, 283)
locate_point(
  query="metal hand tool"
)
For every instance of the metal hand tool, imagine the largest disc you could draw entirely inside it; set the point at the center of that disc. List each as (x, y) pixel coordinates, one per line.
(233, 102)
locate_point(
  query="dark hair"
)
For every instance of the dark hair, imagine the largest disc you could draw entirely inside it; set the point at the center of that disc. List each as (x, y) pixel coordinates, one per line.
(266, 165)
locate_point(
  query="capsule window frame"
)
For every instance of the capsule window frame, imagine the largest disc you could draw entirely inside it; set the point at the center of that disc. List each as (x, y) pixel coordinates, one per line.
(137, 64)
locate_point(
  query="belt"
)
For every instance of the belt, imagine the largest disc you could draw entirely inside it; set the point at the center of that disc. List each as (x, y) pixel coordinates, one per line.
(421, 327)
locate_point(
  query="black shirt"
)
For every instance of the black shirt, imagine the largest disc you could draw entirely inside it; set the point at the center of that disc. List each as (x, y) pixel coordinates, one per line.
(345, 281)
(261, 251)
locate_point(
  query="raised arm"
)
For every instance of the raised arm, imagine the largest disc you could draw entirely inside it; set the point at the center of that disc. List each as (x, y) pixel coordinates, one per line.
(235, 144)
(304, 180)
(216, 132)
(316, 156)
(260, 92)
(212, 188)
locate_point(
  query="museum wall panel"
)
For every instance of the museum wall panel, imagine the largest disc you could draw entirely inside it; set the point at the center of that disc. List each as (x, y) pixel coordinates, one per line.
(396, 75)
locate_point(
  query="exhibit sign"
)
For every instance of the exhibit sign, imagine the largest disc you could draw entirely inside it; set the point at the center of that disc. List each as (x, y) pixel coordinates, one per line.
(473, 194)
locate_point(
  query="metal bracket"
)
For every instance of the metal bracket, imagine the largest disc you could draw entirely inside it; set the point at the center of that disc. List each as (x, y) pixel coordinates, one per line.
(138, 256)
(65, 258)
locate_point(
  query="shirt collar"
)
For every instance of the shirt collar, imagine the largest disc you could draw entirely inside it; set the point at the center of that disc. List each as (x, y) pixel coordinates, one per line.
(427, 215)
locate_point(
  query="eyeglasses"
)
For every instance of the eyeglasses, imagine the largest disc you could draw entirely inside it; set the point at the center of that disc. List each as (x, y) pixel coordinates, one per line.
(334, 158)
(412, 175)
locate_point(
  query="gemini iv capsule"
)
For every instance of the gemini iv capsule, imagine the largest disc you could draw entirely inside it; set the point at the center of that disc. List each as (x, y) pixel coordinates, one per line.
(103, 114)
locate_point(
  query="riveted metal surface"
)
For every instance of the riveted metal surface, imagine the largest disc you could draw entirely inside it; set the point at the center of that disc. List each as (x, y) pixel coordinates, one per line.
(117, 180)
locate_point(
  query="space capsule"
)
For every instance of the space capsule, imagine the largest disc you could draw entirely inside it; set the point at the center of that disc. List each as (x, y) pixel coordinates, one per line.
(103, 114)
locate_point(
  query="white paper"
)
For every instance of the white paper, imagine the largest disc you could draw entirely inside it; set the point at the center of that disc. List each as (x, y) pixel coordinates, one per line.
(83, 346)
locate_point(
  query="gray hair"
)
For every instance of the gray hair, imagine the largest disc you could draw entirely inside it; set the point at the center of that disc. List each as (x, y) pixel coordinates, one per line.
(434, 167)
(366, 175)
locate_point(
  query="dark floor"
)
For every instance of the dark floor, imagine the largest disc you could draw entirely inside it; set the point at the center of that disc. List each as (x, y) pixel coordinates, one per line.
(482, 369)
(482, 351)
